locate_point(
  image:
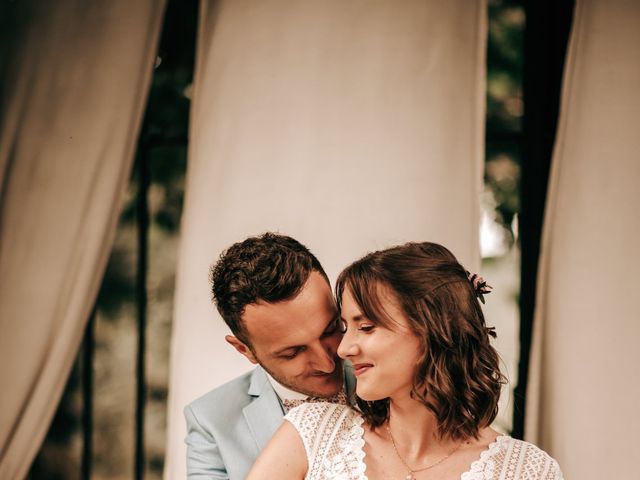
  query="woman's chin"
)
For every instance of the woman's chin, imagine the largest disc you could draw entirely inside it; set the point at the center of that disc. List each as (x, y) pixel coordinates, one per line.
(369, 396)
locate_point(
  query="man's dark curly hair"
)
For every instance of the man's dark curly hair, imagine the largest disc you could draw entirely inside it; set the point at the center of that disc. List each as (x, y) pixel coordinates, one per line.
(270, 268)
(458, 376)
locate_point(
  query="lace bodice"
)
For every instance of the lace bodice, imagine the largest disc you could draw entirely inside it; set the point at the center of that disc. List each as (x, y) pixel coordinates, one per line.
(333, 438)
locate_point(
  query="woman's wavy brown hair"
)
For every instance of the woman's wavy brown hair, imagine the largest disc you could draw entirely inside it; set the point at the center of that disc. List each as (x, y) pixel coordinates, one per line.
(458, 377)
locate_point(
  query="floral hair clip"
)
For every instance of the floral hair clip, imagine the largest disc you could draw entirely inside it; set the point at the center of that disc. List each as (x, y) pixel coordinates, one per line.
(479, 285)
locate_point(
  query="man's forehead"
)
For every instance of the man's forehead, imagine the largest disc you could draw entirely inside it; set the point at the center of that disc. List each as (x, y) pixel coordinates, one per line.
(300, 318)
(271, 320)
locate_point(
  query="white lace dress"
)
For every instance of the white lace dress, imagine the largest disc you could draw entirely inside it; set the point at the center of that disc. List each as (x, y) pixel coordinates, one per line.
(333, 438)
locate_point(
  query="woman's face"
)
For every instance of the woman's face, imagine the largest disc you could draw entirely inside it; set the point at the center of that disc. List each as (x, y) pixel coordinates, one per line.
(384, 360)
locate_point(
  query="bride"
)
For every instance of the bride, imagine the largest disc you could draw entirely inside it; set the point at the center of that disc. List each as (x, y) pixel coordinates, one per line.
(427, 389)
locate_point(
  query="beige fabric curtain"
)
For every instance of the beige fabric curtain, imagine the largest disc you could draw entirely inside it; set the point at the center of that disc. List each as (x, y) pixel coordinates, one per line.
(584, 389)
(73, 96)
(348, 125)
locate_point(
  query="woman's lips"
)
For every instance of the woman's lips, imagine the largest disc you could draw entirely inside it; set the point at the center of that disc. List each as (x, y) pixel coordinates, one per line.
(360, 368)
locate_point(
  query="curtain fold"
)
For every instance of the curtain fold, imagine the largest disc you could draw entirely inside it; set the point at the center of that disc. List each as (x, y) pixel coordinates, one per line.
(348, 125)
(74, 86)
(584, 384)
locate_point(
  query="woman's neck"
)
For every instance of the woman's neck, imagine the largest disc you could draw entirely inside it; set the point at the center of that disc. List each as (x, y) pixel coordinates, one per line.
(414, 429)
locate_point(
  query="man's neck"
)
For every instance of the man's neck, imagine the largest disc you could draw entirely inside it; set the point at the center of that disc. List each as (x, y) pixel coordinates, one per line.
(283, 392)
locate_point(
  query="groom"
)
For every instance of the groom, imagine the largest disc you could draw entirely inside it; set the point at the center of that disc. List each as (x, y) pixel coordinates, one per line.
(275, 297)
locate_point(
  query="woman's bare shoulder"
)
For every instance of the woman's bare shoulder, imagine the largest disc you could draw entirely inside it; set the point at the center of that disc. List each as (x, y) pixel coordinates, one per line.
(283, 457)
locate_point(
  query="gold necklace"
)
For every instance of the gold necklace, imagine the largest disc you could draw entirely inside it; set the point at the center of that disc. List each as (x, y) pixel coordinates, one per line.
(411, 471)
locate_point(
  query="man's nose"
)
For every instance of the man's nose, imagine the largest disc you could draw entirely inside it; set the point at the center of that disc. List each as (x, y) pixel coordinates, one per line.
(324, 359)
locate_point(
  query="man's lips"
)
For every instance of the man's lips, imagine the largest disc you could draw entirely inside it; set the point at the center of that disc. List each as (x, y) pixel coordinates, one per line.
(337, 371)
(360, 368)
(330, 376)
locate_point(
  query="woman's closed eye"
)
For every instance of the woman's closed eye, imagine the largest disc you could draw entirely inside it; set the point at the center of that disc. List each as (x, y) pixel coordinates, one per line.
(342, 325)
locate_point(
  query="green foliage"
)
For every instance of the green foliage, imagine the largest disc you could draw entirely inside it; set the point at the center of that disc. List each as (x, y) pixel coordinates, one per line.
(504, 107)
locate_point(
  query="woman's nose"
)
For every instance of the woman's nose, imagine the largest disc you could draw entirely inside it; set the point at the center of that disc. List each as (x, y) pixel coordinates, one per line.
(348, 347)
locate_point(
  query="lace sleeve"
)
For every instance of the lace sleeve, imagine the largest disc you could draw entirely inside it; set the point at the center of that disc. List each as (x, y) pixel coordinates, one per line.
(510, 459)
(332, 435)
(527, 462)
(538, 464)
(307, 420)
(554, 472)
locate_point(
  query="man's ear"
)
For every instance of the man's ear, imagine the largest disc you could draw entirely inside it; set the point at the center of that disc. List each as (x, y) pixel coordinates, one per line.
(241, 347)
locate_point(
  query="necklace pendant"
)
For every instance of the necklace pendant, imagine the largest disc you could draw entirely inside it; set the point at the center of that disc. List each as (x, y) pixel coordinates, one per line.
(410, 476)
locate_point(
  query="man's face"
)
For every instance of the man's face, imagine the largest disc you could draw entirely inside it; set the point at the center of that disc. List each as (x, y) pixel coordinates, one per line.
(296, 341)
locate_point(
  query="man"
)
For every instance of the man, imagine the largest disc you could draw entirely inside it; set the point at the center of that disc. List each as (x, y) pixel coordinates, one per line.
(275, 297)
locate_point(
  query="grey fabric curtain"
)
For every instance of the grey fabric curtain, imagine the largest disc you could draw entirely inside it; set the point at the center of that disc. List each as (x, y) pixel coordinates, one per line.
(584, 386)
(348, 125)
(75, 77)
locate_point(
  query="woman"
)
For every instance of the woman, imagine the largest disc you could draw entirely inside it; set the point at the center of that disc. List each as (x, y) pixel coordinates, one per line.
(427, 389)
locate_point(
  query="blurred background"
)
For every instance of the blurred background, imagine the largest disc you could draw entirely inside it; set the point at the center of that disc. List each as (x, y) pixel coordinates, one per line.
(132, 153)
(108, 357)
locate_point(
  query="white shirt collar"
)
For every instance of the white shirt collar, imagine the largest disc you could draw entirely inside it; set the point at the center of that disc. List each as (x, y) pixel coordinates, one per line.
(285, 393)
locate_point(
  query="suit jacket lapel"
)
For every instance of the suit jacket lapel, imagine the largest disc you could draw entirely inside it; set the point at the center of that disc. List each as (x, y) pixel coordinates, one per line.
(264, 414)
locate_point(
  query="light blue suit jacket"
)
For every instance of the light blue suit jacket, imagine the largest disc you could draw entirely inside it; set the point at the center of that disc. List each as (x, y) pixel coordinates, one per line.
(229, 426)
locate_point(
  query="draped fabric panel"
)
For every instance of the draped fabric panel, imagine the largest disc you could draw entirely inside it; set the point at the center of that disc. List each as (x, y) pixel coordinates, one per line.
(348, 125)
(73, 93)
(584, 386)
